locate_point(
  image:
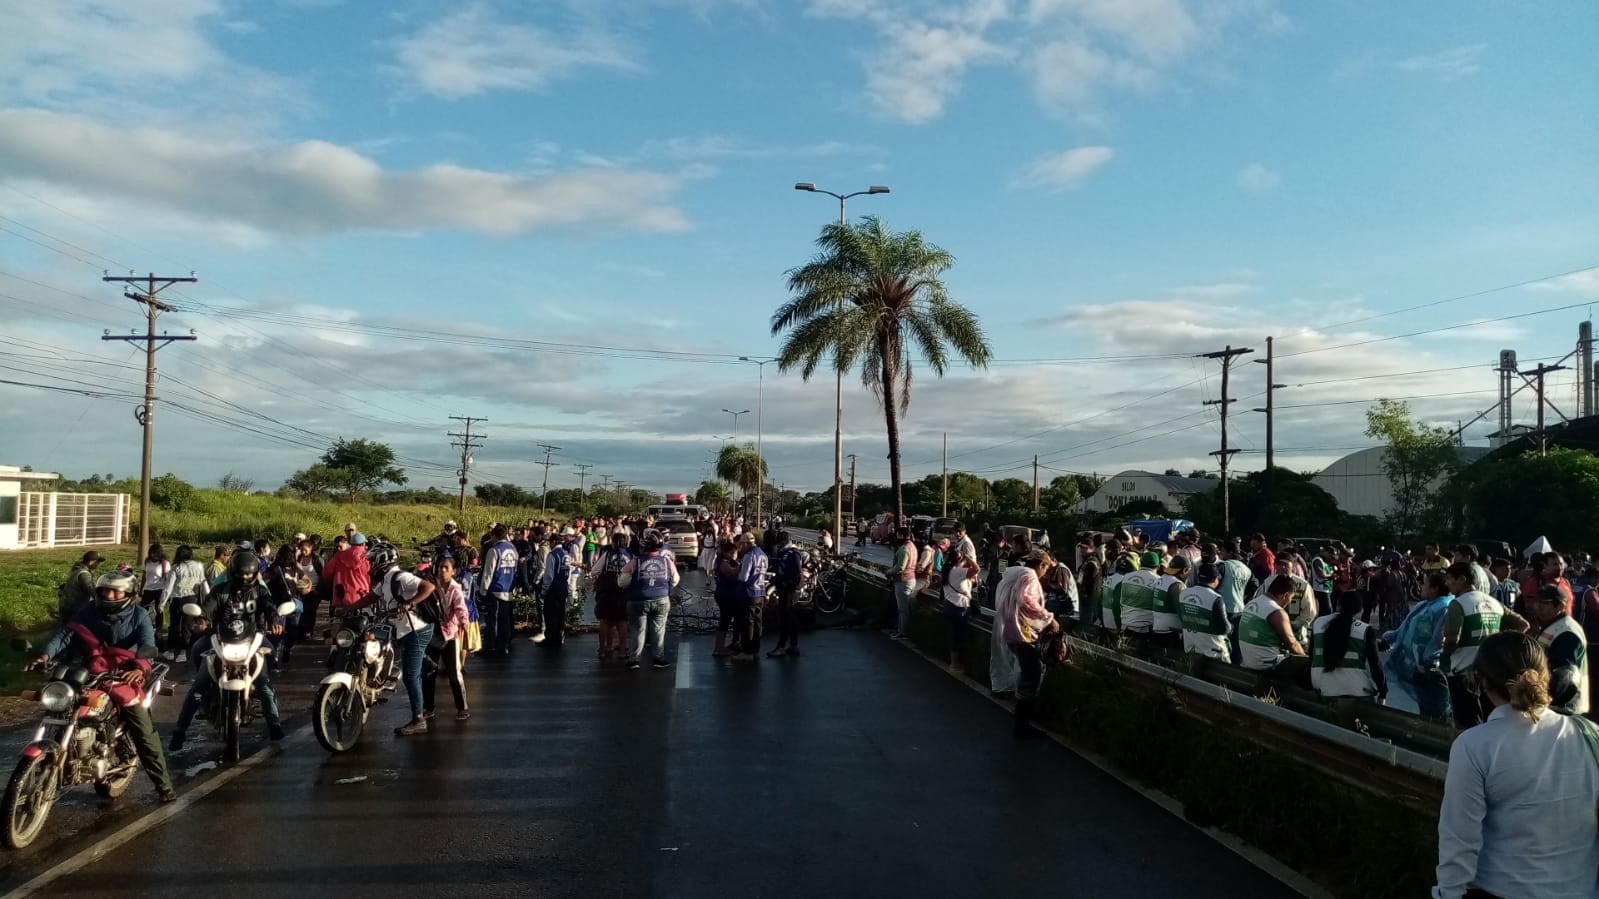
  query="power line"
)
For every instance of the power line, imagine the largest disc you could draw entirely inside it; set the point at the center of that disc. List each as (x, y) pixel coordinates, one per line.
(467, 445)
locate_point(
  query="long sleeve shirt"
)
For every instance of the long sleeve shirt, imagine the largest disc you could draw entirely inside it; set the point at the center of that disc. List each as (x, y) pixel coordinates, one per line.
(1019, 608)
(1518, 811)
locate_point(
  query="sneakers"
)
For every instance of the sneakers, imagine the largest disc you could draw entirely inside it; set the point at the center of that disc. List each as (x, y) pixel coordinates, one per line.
(417, 726)
(428, 714)
(777, 653)
(183, 655)
(462, 715)
(176, 743)
(660, 663)
(168, 657)
(274, 730)
(538, 637)
(745, 657)
(632, 664)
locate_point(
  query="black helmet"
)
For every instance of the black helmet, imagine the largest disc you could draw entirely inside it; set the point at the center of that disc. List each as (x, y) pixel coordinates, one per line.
(381, 555)
(243, 566)
(651, 540)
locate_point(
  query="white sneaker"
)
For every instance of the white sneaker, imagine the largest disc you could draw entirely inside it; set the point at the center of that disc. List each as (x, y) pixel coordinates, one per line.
(538, 637)
(167, 657)
(183, 657)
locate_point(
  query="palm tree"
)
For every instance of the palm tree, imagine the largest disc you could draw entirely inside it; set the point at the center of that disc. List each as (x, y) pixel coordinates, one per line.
(742, 467)
(872, 296)
(713, 494)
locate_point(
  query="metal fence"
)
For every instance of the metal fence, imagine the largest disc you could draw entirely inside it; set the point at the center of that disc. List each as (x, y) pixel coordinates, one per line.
(72, 519)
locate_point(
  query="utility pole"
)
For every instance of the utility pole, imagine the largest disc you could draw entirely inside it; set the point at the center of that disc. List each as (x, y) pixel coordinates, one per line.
(945, 513)
(605, 482)
(1539, 373)
(582, 476)
(145, 414)
(1225, 453)
(544, 495)
(1271, 454)
(852, 493)
(1035, 483)
(466, 445)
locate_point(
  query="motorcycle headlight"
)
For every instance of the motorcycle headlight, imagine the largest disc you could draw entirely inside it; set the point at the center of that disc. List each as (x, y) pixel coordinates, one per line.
(57, 696)
(235, 652)
(345, 639)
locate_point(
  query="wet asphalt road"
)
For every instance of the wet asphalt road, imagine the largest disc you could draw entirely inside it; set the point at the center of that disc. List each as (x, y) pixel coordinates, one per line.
(857, 770)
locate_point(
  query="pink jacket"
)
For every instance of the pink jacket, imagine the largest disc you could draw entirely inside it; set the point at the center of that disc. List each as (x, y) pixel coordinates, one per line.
(452, 603)
(1019, 606)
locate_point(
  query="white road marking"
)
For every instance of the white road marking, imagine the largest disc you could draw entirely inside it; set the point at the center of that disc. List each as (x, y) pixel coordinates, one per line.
(685, 676)
(153, 820)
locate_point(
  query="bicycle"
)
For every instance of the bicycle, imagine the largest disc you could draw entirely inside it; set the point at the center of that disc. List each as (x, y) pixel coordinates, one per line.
(829, 586)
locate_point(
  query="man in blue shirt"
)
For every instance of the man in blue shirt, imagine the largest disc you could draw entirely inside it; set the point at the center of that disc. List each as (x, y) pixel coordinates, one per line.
(752, 567)
(1235, 577)
(649, 578)
(496, 580)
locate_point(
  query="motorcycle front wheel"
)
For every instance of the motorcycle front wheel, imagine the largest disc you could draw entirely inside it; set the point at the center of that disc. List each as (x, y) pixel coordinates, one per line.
(829, 596)
(29, 797)
(232, 724)
(112, 787)
(339, 717)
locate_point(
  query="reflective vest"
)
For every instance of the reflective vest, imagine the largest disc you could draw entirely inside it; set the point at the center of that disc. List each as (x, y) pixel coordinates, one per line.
(653, 578)
(1204, 628)
(1137, 596)
(1259, 647)
(1350, 676)
(1565, 624)
(1483, 613)
(1110, 608)
(1168, 610)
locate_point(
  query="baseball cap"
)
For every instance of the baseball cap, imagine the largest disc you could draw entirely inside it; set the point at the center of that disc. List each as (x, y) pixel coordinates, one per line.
(567, 532)
(1150, 560)
(1177, 563)
(299, 535)
(93, 556)
(1207, 572)
(358, 539)
(350, 526)
(245, 544)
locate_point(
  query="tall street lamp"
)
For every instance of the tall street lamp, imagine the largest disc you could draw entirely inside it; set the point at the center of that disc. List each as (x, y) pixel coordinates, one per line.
(838, 401)
(735, 421)
(760, 390)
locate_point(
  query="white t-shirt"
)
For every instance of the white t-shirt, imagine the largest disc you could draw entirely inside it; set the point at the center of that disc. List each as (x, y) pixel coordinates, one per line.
(408, 585)
(957, 586)
(155, 575)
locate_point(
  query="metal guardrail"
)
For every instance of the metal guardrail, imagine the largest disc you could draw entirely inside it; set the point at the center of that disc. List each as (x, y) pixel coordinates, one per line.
(1381, 750)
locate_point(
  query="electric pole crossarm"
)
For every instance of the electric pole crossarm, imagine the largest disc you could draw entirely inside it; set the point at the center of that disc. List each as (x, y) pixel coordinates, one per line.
(1225, 453)
(467, 444)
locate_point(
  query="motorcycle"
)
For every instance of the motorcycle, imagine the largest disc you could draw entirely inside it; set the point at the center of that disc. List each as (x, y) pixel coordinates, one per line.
(362, 667)
(826, 585)
(81, 740)
(238, 653)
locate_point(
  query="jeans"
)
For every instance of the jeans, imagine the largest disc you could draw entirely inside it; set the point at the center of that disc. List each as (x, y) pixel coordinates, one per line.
(651, 614)
(956, 620)
(203, 682)
(1003, 673)
(1030, 666)
(787, 619)
(1432, 693)
(494, 617)
(554, 615)
(904, 599)
(746, 625)
(445, 657)
(413, 651)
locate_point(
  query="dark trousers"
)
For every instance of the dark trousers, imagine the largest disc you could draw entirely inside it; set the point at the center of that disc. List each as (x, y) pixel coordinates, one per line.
(555, 601)
(1029, 679)
(179, 632)
(787, 619)
(443, 657)
(746, 624)
(308, 617)
(136, 718)
(1468, 704)
(151, 601)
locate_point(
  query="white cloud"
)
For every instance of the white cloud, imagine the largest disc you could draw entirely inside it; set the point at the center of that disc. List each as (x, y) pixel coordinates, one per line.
(1448, 65)
(1258, 178)
(1063, 171)
(473, 51)
(1586, 281)
(316, 187)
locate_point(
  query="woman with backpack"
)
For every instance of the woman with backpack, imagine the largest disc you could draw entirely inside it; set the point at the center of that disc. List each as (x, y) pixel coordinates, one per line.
(188, 582)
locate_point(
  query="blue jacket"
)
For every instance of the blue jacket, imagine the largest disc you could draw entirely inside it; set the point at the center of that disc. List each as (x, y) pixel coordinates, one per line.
(752, 573)
(790, 568)
(128, 629)
(499, 567)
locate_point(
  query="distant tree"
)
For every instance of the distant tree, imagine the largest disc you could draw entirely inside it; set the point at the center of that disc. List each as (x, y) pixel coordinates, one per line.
(1202, 473)
(1417, 460)
(714, 494)
(1297, 507)
(1173, 473)
(741, 467)
(348, 467)
(232, 483)
(172, 493)
(1144, 508)
(504, 495)
(1521, 498)
(1011, 494)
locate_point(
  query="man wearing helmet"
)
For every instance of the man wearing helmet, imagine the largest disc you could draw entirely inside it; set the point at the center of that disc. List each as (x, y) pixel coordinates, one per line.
(242, 588)
(649, 580)
(116, 620)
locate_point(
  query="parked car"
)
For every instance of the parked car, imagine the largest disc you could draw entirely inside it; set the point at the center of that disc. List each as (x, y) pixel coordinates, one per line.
(1036, 536)
(882, 529)
(922, 527)
(944, 529)
(681, 539)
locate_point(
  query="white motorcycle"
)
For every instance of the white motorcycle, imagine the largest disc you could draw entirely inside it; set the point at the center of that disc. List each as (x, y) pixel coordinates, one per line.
(361, 668)
(238, 654)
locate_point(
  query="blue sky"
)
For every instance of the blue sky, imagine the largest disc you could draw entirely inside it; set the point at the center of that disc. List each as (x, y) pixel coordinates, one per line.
(1122, 178)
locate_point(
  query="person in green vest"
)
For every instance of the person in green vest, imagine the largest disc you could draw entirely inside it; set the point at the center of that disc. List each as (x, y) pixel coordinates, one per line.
(1344, 658)
(1469, 618)
(1266, 639)
(1566, 646)
(1205, 624)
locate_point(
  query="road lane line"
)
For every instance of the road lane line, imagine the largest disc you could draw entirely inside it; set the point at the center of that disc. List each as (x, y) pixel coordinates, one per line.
(151, 821)
(685, 677)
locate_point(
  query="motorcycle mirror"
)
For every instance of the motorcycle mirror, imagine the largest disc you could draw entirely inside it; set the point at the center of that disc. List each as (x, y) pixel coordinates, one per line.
(285, 608)
(193, 610)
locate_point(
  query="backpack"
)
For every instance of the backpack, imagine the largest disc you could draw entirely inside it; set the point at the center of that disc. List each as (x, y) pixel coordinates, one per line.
(428, 610)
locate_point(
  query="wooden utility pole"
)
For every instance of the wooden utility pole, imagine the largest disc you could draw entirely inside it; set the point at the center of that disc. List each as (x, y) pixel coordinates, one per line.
(1035, 484)
(544, 495)
(1539, 373)
(582, 476)
(945, 512)
(145, 414)
(467, 445)
(1271, 454)
(1225, 453)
